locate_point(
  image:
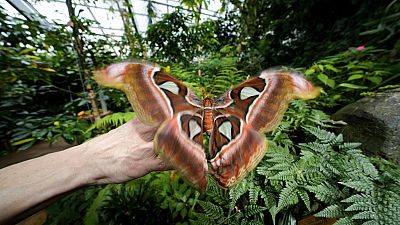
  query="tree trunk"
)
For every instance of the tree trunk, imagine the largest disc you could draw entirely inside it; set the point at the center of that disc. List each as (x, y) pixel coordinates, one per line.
(78, 46)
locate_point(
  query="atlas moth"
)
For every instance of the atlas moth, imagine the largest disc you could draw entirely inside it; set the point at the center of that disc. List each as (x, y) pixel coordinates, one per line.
(235, 121)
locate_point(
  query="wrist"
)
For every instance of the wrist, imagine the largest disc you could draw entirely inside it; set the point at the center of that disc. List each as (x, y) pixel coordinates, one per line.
(80, 165)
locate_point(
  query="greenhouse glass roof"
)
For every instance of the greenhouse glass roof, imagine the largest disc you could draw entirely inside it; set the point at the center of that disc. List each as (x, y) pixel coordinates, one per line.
(105, 12)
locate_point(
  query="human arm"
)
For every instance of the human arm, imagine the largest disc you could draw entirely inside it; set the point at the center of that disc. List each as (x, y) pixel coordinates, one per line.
(120, 155)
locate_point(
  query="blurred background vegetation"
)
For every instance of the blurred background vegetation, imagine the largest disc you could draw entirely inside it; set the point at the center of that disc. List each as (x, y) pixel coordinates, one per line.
(349, 48)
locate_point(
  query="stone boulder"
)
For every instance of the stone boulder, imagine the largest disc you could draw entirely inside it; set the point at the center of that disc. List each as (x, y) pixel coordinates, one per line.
(374, 121)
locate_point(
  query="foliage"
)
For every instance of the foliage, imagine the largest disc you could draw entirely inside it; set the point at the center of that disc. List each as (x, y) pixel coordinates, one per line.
(162, 196)
(386, 28)
(275, 32)
(213, 76)
(69, 210)
(173, 40)
(41, 83)
(325, 173)
(111, 121)
(346, 75)
(307, 170)
(32, 129)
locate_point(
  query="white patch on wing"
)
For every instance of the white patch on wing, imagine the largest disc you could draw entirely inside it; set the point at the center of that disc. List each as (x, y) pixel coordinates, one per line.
(248, 92)
(194, 129)
(170, 86)
(226, 129)
(251, 106)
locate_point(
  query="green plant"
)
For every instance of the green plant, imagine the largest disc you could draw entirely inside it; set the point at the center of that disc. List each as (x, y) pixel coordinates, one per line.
(162, 194)
(346, 75)
(213, 76)
(325, 176)
(173, 40)
(111, 121)
(41, 85)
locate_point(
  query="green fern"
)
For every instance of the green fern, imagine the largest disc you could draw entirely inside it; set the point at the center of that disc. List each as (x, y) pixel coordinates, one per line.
(288, 196)
(211, 210)
(345, 221)
(237, 191)
(252, 209)
(325, 171)
(115, 119)
(332, 211)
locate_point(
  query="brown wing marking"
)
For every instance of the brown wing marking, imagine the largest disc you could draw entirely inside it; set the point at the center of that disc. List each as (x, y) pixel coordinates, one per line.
(236, 149)
(261, 101)
(179, 142)
(154, 95)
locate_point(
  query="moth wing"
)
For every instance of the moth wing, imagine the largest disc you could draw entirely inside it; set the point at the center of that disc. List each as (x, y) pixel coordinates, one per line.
(179, 142)
(154, 95)
(261, 101)
(235, 149)
(242, 114)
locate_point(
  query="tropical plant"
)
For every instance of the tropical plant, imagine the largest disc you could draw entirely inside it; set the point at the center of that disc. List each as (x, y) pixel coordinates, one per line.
(173, 40)
(325, 176)
(348, 74)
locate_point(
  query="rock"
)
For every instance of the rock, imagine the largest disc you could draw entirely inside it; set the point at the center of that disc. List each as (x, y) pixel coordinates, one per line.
(374, 121)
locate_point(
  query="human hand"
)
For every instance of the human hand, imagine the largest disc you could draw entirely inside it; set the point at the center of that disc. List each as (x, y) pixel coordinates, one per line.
(122, 154)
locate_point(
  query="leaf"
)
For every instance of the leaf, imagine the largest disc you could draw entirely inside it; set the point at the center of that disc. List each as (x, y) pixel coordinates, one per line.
(236, 192)
(332, 68)
(22, 141)
(91, 216)
(375, 80)
(288, 196)
(352, 86)
(27, 50)
(304, 196)
(355, 77)
(360, 185)
(325, 79)
(48, 69)
(332, 211)
(251, 210)
(211, 210)
(309, 71)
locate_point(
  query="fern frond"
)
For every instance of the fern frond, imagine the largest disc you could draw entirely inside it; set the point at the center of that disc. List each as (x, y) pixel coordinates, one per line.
(365, 186)
(326, 192)
(202, 219)
(280, 157)
(280, 166)
(349, 145)
(115, 119)
(324, 136)
(269, 198)
(304, 196)
(91, 216)
(332, 211)
(216, 193)
(358, 198)
(360, 206)
(288, 196)
(236, 192)
(212, 211)
(345, 221)
(363, 163)
(316, 147)
(252, 210)
(284, 175)
(365, 215)
(254, 192)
